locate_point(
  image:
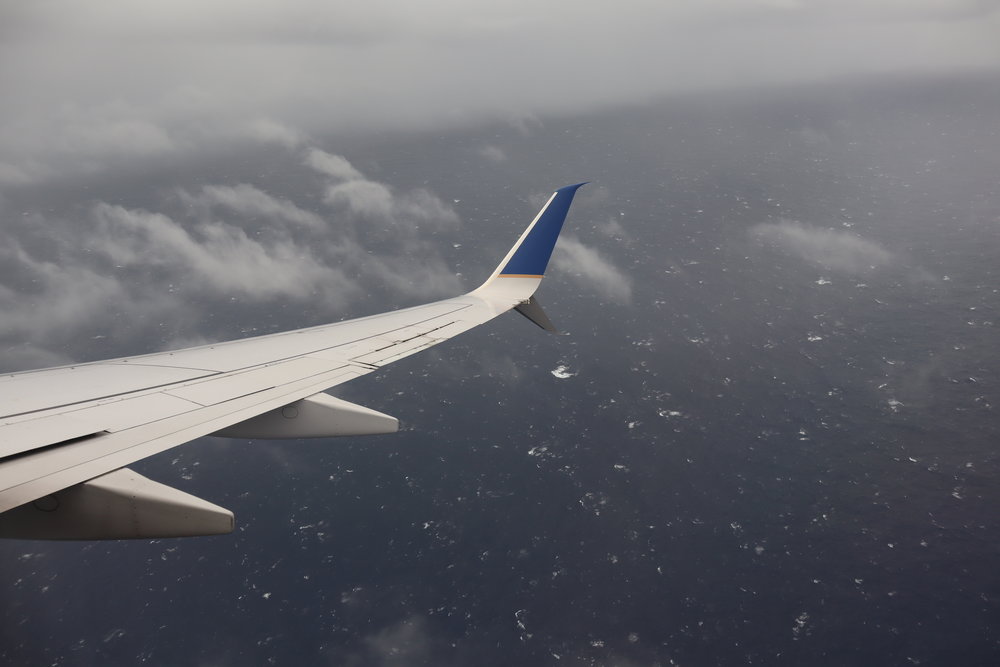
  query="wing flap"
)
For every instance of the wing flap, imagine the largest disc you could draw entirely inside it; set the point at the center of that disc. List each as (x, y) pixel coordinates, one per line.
(79, 421)
(226, 387)
(393, 351)
(128, 412)
(44, 390)
(31, 434)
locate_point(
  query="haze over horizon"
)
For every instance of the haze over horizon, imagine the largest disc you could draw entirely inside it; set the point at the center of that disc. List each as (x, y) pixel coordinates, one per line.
(89, 86)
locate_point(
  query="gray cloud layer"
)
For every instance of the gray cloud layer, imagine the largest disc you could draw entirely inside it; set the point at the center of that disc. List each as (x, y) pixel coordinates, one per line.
(95, 91)
(88, 84)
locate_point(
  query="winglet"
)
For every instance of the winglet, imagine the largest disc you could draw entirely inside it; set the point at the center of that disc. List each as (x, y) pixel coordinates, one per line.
(526, 262)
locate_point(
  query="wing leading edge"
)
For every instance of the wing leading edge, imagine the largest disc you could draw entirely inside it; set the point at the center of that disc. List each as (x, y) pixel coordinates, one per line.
(68, 434)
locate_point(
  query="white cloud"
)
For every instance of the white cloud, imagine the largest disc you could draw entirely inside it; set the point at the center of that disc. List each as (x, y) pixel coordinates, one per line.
(588, 267)
(376, 203)
(249, 201)
(360, 197)
(493, 153)
(379, 214)
(266, 130)
(831, 249)
(335, 166)
(612, 228)
(51, 300)
(426, 210)
(157, 278)
(219, 257)
(61, 295)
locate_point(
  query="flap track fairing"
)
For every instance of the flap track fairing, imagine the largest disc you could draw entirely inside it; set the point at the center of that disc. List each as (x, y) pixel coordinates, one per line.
(319, 416)
(121, 504)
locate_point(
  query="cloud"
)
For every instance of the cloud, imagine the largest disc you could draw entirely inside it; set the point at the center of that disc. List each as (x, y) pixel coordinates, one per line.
(195, 77)
(375, 202)
(98, 131)
(115, 136)
(361, 197)
(27, 355)
(614, 229)
(335, 166)
(162, 276)
(831, 249)
(493, 153)
(426, 210)
(405, 643)
(50, 305)
(587, 267)
(266, 130)
(218, 257)
(398, 222)
(70, 139)
(60, 295)
(249, 201)
(422, 274)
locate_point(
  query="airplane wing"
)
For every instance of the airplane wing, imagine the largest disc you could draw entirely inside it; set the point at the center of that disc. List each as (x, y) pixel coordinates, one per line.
(67, 434)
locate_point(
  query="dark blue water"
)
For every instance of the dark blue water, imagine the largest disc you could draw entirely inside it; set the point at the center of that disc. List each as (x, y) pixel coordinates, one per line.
(780, 449)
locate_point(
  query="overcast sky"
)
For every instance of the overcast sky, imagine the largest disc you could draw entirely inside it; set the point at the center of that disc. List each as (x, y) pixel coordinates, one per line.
(85, 81)
(93, 90)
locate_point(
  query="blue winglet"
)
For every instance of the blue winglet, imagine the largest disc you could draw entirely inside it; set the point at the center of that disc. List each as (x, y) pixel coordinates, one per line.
(533, 252)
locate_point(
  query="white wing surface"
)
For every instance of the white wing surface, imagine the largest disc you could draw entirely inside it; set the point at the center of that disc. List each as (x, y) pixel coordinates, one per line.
(68, 434)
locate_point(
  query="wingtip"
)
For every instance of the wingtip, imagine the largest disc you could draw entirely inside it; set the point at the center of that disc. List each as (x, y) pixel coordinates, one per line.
(529, 257)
